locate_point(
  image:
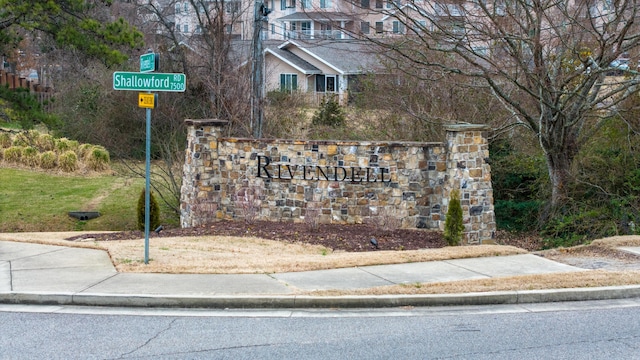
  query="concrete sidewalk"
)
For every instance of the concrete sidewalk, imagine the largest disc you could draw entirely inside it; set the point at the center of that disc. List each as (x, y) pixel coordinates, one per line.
(46, 274)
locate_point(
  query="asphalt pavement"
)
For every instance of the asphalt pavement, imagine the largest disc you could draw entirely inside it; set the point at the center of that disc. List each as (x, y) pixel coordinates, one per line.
(46, 274)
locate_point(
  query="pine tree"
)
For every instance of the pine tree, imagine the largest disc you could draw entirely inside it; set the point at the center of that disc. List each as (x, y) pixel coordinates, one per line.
(329, 113)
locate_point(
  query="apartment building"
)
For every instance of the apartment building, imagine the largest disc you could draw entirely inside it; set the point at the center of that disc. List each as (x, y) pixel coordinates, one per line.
(312, 43)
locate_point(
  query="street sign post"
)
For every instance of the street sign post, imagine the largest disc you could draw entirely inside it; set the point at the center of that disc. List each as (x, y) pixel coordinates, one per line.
(147, 80)
(134, 81)
(148, 62)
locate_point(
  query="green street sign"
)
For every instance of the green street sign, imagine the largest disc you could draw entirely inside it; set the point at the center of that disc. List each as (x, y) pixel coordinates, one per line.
(149, 81)
(148, 62)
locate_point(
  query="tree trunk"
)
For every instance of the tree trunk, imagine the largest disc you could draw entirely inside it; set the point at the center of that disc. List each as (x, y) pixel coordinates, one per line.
(559, 163)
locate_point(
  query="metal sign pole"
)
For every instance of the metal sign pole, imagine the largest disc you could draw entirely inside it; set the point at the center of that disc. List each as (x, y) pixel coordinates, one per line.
(147, 193)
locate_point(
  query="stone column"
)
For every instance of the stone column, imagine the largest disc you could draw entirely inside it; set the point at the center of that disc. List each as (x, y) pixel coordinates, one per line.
(197, 203)
(468, 170)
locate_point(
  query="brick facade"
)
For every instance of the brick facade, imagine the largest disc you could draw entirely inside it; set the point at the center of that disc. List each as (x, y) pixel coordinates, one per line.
(337, 181)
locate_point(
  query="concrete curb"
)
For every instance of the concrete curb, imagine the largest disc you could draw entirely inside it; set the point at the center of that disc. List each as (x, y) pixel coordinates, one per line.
(305, 301)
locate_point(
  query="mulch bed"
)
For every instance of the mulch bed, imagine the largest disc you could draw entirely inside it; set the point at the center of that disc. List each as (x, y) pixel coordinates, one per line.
(351, 238)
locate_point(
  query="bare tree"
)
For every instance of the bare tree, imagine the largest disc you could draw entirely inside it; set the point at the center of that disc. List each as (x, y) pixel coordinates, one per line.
(195, 37)
(548, 62)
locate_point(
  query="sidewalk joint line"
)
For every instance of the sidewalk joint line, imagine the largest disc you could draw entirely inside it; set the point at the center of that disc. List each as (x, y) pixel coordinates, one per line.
(468, 269)
(95, 284)
(378, 276)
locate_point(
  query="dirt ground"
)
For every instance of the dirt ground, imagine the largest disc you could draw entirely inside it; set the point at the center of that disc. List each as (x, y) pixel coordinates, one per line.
(350, 238)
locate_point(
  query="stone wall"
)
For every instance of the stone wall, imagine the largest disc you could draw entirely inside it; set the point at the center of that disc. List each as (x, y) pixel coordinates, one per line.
(403, 184)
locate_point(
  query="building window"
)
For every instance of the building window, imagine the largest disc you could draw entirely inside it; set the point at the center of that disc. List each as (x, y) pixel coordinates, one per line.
(283, 4)
(324, 4)
(228, 28)
(305, 26)
(326, 83)
(379, 27)
(178, 27)
(398, 27)
(288, 82)
(232, 7)
(306, 4)
(420, 26)
(198, 29)
(364, 4)
(378, 4)
(364, 27)
(185, 8)
(186, 28)
(178, 8)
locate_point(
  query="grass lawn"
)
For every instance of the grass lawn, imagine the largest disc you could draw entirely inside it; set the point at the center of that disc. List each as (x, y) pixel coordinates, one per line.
(37, 201)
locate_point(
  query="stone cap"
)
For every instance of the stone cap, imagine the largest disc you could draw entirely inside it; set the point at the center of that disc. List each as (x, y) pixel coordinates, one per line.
(467, 127)
(205, 122)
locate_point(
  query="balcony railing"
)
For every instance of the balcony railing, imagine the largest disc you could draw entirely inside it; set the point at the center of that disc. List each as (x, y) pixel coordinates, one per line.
(316, 34)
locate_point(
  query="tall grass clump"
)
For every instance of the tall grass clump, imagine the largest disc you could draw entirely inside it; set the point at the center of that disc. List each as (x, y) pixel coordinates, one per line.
(30, 156)
(45, 142)
(26, 138)
(13, 154)
(5, 140)
(83, 150)
(97, 158)
(68, 161)
(64, 144)
(48, 160)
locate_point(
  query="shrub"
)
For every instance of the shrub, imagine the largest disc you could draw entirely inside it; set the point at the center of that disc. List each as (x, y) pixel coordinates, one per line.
(47, 160)
(453, 226)
(98, 158)
(154, 211)
(13, 154)
(330, 113)
(68, 161)
(45, 142)
(5, 140)
(84, 150)
(30, 156)
(64, 144)
(26, 138)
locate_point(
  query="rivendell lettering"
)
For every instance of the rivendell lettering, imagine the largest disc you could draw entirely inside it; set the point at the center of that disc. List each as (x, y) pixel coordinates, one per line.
(320, 173)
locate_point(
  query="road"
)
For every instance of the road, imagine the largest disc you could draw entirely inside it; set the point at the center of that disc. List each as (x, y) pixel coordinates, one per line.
(586, 330)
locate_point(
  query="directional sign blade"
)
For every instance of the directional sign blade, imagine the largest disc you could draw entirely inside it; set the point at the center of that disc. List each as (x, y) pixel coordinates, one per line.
(133, 81)
(148, 62)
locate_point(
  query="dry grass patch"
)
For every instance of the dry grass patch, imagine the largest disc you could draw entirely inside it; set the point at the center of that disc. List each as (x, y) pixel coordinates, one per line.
(581, 279)
(602, 247)
(235, 255)
(241, 255)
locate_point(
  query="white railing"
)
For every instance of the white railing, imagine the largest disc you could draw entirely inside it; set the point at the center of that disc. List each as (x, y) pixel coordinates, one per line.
(316, 34)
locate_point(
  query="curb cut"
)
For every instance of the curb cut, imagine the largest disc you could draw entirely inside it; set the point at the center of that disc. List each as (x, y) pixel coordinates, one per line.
(305, 301)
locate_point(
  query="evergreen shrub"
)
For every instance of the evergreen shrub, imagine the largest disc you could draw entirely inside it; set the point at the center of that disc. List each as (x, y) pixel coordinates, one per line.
(330, 113)
(453, 226)
(154, 211)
